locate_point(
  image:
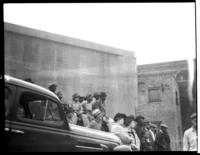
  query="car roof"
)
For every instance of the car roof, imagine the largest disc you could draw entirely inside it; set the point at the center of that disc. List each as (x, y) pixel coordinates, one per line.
(22, 83)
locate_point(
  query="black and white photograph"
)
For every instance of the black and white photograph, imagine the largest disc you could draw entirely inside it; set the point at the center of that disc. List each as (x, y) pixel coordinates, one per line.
(82, 77)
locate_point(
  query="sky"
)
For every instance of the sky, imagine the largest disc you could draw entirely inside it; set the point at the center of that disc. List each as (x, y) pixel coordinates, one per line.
(155, 32)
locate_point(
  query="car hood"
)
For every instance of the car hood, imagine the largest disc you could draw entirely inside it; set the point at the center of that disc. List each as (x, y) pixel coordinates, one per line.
(94, 133)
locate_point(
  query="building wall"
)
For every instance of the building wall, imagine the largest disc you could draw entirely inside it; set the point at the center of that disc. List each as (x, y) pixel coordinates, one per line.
(186, 86)
(165, 110)
(77, 66)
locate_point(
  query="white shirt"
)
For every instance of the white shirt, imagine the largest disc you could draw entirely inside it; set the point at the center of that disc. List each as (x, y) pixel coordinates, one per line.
(121, 133)
(153, 135)
(190, 140)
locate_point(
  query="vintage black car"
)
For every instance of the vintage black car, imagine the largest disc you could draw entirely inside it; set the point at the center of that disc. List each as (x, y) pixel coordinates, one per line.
(35, 121)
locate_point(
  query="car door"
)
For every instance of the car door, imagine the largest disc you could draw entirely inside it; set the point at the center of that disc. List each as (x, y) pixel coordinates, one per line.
(38, 124)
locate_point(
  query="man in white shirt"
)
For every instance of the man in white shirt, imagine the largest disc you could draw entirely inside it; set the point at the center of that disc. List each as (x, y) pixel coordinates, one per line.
(190, 135)
(118, 129)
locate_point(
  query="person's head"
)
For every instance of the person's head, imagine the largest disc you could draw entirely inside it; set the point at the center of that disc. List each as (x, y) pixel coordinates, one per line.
(147, 125)
(52, 87)
(29, 80)
(120, 118)
(89, 98)
(153, 126)
(97, 96)
(82, 98)
(69, 113)
(60, 95)
(163, 127)
(103, 96)
(193, 118)
(140, 120)
(75, 97)
(130, 122)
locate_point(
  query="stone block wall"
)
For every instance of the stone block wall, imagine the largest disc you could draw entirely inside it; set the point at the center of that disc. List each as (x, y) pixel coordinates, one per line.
(167, 109)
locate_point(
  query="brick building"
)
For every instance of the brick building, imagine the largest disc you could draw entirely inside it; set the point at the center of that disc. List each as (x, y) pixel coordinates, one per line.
(163, 95)
(77, 66)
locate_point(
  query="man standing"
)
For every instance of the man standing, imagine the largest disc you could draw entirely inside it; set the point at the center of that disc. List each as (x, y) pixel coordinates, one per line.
(162, 142)
(153, 130)
(99, 123)
(130, 125)
(140, 130)
(147, 139)
(98, 103)
(119, 130)
(190, 135)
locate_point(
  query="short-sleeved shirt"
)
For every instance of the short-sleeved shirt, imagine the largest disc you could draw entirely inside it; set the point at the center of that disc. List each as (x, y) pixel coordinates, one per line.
(190, 140)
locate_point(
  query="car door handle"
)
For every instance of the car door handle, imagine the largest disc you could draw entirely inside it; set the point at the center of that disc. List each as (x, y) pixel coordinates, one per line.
(17, 131)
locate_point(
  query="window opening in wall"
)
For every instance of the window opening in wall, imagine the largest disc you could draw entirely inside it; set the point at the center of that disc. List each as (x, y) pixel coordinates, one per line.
(141, 87)
(154, 94)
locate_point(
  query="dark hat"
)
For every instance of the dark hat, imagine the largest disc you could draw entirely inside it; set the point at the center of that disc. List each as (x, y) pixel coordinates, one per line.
(75, 95)
(153, 125)
(103, 94)
(52, 85)
(128, 120)
(163, 125)
(194, 115)
(138, 118)
(88, 97)
(97, 95)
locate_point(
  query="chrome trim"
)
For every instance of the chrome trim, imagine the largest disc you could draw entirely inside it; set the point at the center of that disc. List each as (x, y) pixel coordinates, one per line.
(87, 147)
(17, 131)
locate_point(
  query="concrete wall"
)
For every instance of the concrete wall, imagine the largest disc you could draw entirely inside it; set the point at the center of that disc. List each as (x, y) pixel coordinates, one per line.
(165, 110)
(77, 66)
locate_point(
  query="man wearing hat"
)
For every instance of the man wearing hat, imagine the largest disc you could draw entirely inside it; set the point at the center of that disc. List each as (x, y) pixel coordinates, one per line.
(190, 135)
(98, 102)
(140, 129)
(153, 130)
(162, 141)
(147, 138)
(99, 122)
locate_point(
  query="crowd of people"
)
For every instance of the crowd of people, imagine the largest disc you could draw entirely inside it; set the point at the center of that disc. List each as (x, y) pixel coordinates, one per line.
(134, 132)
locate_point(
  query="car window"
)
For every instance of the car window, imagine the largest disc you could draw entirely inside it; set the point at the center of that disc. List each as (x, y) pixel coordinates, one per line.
(39, 108)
